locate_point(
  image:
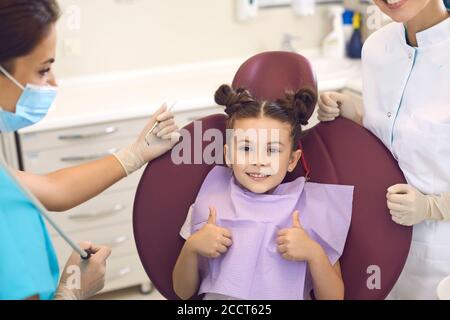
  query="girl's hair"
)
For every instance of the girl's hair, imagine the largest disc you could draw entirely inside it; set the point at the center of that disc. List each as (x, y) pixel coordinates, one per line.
(294, 108)
(23, 24)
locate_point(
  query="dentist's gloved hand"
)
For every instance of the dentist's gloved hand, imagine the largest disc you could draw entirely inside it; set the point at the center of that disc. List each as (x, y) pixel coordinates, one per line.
(163, 138)
(335, 104)
(408, 206)
(81, 279)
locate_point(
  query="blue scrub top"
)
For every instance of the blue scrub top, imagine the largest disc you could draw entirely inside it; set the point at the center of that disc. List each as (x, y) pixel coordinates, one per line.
(28, 263)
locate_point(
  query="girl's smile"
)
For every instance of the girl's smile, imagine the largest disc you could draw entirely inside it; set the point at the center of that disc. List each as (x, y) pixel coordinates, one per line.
(257, 176)
(394, 4)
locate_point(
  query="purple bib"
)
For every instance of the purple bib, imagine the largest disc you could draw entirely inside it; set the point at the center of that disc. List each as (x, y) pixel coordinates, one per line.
(252, 269)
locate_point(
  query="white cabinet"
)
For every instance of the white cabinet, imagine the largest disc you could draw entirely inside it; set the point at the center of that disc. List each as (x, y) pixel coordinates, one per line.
(8, 149)
(106, 219)
(2, 148)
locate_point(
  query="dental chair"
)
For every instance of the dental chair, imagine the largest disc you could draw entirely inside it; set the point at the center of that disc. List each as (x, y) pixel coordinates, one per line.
(338, 152)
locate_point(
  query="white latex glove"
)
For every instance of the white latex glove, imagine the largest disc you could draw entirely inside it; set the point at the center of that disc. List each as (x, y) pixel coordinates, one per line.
(92, 272)
(335, 104)
(407, 205)
(163, 138)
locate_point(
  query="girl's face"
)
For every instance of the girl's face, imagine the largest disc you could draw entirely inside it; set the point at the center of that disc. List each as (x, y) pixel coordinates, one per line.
(260, 153)
(402, 10)
(34, 68)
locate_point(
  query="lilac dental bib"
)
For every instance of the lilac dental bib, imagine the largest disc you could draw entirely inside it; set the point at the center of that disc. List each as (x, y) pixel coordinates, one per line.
(252, 268)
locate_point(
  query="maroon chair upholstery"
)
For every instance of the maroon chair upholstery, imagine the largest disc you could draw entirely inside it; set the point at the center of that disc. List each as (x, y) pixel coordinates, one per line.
(338, 152)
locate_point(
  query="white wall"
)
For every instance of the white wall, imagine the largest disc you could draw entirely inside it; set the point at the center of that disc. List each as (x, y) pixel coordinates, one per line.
(118, 35)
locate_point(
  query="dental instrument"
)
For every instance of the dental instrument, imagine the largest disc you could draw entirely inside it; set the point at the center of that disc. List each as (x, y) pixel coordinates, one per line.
(147, 136)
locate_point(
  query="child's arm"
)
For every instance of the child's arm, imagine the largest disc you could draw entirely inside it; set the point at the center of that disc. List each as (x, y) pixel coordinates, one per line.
(295, 244)
(186, 279)
(327, 280)
(210, 241)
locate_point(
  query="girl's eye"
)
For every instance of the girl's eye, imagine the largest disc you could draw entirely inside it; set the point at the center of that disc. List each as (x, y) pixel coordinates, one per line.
(273, 150)
(43, 73)
(244, 148)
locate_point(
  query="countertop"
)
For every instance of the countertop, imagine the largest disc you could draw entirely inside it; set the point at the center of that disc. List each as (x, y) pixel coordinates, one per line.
(126, 95)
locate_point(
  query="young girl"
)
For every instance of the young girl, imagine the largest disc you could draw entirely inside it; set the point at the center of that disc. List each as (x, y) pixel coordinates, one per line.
(406, 77)
(250, 236)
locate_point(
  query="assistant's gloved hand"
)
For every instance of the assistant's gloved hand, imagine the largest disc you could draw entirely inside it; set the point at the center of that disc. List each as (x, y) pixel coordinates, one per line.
(81, 279)
(408, 206)
(163, 138)
(335, 104)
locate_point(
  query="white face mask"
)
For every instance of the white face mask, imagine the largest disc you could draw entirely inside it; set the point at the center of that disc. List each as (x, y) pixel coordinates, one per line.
(32, 106)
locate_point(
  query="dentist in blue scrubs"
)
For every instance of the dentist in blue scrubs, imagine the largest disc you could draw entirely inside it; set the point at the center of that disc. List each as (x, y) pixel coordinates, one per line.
(28, 264)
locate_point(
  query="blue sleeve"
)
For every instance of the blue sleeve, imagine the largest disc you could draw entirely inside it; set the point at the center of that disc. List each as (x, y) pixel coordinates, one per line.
(28, 264)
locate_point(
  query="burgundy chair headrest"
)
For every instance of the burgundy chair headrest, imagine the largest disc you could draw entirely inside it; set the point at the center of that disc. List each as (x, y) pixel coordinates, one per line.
(269, 74)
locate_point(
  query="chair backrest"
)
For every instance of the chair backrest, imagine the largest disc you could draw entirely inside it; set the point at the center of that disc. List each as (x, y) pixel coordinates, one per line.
(339, 152)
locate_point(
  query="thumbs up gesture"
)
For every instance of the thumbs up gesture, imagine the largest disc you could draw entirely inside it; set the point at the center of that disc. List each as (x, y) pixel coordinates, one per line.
(294, 243)
(211, 241)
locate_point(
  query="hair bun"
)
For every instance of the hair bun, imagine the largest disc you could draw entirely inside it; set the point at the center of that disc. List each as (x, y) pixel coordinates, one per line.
(224, 95)
(303, 102)
(231, 99)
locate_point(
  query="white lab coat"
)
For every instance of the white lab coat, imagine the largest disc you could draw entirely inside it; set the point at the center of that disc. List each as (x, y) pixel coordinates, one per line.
(407, 105)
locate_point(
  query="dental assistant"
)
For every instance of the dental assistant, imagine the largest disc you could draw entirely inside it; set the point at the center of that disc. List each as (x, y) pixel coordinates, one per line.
(28, 265)
(406, 92)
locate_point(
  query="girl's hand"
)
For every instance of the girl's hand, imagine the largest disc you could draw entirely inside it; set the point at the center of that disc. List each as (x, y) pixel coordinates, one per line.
(294, 243)
(211, 241)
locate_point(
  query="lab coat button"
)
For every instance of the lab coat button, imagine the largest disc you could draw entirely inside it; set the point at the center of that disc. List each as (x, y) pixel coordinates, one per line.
(410, 56)
(389, 114)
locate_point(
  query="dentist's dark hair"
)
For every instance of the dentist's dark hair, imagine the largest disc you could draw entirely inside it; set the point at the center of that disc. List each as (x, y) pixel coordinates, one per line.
(23, 25)
(294, 108)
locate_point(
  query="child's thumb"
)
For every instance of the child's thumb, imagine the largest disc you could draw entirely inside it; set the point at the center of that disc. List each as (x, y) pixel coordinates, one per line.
(296, 220)
(212, 215)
